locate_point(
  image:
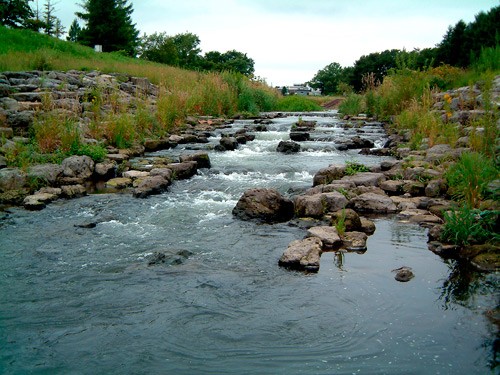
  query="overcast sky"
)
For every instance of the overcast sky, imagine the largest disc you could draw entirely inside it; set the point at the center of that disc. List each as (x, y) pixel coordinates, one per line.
(290, 40)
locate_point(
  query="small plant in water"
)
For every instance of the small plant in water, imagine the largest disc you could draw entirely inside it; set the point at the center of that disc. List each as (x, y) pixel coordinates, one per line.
(340, 224)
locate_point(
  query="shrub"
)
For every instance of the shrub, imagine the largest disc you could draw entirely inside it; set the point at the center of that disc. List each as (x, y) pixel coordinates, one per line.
(352, 106)
(469, 177)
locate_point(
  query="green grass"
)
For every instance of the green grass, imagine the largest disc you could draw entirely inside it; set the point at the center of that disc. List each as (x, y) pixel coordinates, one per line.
(297, 103)
(469, 177)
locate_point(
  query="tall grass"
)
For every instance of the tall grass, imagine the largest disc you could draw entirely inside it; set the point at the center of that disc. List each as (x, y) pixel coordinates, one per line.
(469, 177)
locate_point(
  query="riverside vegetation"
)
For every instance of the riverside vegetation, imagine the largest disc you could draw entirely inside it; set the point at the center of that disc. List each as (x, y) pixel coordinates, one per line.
(123, 112)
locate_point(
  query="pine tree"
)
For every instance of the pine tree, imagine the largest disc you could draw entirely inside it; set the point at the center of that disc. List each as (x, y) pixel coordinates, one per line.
(74, 31)
(50, 20)
(109, 23)
(15, 13)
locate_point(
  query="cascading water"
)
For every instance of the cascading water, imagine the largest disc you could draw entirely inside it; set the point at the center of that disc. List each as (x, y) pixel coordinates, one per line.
(85, 301)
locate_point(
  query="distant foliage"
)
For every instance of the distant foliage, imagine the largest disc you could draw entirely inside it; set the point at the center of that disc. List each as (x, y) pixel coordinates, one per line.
(183, 50)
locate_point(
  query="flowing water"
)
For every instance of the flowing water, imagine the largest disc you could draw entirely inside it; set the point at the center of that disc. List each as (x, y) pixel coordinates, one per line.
(85, 301)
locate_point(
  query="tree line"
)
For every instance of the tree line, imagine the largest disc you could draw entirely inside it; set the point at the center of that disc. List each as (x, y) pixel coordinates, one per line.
(109, 23)
(460, 47)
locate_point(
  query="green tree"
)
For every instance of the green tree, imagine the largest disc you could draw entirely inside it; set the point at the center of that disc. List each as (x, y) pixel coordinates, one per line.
(188, 51)
(453, 48)
(328, 79)
(74, 31)
(15, 13)
(378, 63)
(229, 61)
(49, 19)
(158, 47)
(109, 23)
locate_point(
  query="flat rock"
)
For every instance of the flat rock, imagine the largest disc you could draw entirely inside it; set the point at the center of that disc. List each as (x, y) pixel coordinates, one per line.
(38, 201)
(73, 191)
(365, 179)
(303, 255)
(119, 183)
(135, 174)
(371, 202)
(327, 234)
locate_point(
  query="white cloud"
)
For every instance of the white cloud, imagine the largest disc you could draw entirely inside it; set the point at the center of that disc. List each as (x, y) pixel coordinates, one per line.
(290, 40)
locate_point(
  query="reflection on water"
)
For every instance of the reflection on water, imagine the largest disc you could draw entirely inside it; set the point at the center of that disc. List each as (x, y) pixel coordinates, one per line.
(87, 300)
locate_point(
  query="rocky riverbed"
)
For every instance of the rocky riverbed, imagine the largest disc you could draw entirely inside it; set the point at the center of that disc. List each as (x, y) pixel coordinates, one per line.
(410, 185)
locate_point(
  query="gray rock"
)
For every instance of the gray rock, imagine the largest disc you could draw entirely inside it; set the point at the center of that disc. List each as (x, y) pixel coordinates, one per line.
(166, 173)
(392, 187)
(371, 202)
(38, 201)
(73, 191)
(328, 236)
(183, 170)
(365, 179)
(367, 226)
(319, 204)
(201, 158)
(119, 183)
(403, 274)
(351, 219)
(302, 255)
(326, 175)
(12, 179)
(49, 173)
(81, 167)
(288, 147)
(228, 143)
(265, 205)
(299, 136)
(106, 169)
(151, 185)
(354, 241)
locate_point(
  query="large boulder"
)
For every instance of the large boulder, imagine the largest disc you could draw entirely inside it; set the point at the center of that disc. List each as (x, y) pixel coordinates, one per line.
(351, 219)
(12, 179)
(78, 167)
(299, 136)
(288, 147)
(183, 170)
(319, 204)
(265, 205)
(303, 255)
(201, 158)
(151, 185)
(48, 173)
(326, 175)
(371, 202)
(228, 144)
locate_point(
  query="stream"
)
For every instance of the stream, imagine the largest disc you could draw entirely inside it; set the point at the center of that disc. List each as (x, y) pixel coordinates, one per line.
(85, 300)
